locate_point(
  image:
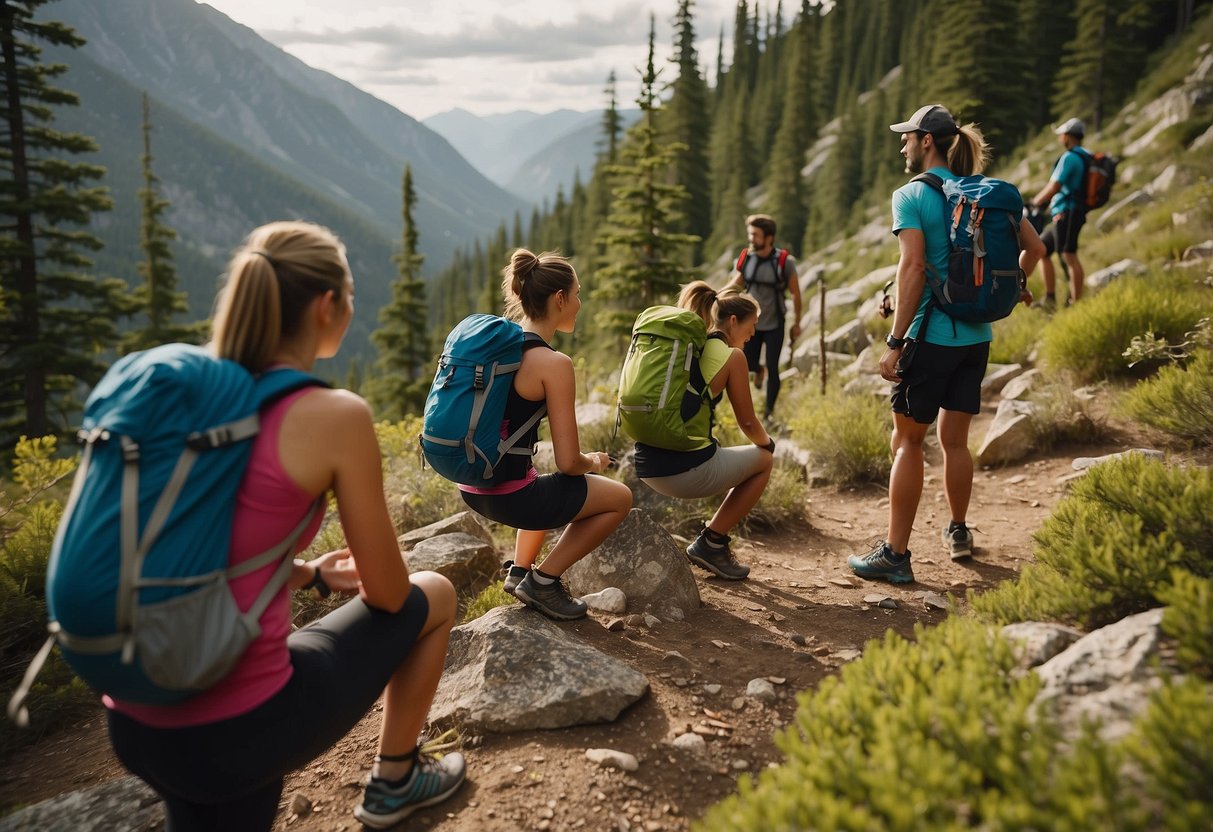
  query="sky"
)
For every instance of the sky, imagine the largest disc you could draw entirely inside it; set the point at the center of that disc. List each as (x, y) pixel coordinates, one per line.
(485, 56)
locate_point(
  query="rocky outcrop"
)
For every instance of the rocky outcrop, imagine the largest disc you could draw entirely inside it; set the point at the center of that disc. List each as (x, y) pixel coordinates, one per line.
(124, 805)
(1009, 436)
(465, 521)
(1100, 279)
(513, 670)
(464, 560)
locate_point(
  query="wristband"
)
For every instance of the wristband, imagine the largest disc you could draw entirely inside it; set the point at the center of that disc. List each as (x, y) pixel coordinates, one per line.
(318, 583)
(770, 446)
(893, 342)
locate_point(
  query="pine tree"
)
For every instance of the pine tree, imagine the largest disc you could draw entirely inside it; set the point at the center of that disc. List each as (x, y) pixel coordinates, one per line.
(685, 121)
(1043, 35)
(158, 297)
(612, 122)
(399, 387)
(56, 320)
(643, 264)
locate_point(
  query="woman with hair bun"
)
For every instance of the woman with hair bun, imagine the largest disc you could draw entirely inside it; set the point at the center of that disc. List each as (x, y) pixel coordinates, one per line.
(543, 294)
(742, 471)
(218, 759)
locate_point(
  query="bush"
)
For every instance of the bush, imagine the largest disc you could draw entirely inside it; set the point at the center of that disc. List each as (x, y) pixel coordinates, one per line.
(1017, 335)
(416, 495)
(1060, 415)
(1089, 338)
(1178, 401)
(846, 435)
(1189, 620)
(491, 597)
(1113, 547)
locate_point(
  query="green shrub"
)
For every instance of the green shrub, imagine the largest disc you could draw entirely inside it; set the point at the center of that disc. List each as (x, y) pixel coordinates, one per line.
(1179, 400)
(416, 495)
(1017, 335)
(939, 733)
(1189, 620)
(1060, 415)
(1170, 747)
(847, 435)
(1112, 547)
(491, 597)
(1089, 338)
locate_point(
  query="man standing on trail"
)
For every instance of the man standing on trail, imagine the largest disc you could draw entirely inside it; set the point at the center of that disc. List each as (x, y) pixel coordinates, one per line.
(765, 272)
(1066, 200)
(940, 368)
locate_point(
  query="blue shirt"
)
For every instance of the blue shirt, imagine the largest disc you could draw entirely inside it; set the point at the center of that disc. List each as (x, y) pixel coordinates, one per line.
(1068, 171)
(918, 205)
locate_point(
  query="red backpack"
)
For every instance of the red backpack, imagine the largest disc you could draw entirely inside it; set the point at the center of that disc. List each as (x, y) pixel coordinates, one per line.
(781, 275)
(1098, 177)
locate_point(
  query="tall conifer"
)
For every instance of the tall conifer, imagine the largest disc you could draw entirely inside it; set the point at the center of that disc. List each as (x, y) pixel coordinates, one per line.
(56, 319)
(686, 121)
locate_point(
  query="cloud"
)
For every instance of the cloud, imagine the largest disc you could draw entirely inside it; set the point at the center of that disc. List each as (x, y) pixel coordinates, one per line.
(525, 40)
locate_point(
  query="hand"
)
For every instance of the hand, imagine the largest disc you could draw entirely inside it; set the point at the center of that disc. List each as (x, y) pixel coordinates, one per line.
(1025, 296)
(888, 364)
(600, 461)
(340, 572)
(795, 331)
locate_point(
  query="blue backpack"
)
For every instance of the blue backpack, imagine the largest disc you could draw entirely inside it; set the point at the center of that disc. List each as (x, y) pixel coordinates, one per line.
(463, 433)
(983, 282)
(137, 585)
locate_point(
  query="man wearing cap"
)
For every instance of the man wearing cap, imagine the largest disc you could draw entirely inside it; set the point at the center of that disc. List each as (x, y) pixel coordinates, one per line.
(1065, 198)
(948, 358)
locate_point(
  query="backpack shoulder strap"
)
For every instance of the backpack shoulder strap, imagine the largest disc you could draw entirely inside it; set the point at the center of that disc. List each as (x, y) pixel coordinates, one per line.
(932, 180)
(745, 252)
(282, 381)
(533, 339)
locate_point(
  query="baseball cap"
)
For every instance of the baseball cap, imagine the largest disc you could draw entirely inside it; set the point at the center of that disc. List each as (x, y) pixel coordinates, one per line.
(933, 118)
(1073, 127)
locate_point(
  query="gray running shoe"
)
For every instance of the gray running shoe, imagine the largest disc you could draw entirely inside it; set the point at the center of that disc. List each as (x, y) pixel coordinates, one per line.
(513, 576)
(879, 564)
(958, 541)
(719, 561)
(433, 781)
(552, 600)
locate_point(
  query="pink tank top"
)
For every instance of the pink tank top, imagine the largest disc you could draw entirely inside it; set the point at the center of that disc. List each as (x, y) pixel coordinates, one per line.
(268, 506)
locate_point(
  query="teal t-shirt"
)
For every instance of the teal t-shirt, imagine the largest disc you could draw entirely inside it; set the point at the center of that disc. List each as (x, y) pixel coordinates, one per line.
(1068, 171)
(918, 205)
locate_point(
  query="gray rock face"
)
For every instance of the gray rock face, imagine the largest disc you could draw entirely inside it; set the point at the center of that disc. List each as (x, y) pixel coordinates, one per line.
(1200, 251)
(1021, 384)
(1038, 641)
(1106, 676)
(1101, 278)
(124, 805)
(1009, 436)
(1082, 463)
(872, 385)
(513, 670)
(641, 559)
(1116, 209)
(850, 338)
(997, 376)
(465, 521)
(461, 558)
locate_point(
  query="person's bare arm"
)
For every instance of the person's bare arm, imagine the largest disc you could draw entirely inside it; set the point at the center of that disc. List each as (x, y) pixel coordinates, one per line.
(911, 282)
(737, 386)
(559, 390)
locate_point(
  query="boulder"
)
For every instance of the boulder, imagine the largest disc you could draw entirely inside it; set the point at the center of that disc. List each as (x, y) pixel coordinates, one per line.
(124, 805)
(870, 385)
(1138, 197)
(514, 670)
(642, 560)
(850, 338)
(1017, 387)
(1106, 677)
(1085, 462)
(806, 357)
(1100, 279)
(997, 376)
(1009, 436)
(589, 413)
(464, 560)
(1163, 182)
(1200, 251)
(866, 363)
(1038, 641)
(466, 522)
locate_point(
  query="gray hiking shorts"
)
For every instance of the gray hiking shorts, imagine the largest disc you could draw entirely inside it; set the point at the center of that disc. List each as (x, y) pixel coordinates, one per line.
(728, 467)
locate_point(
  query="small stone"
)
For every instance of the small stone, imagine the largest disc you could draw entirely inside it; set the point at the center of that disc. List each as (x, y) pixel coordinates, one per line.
(873, 598)
(615, 625)
(711, 690)
(888, 604)
(777, 680)
(761, 690)
(301, 805)
(610, 599)
(691, 742)
(798, 639)
(635, 620)
(1017, 479)
(610, 758)
(740, 764)
(651, 621)
(934, 600)
(738, 703)
(674, 654)
(841, 582)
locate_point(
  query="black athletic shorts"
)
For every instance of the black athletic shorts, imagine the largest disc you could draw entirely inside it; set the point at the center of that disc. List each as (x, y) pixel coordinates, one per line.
(228, 774)
(549, 502)
(947, 377)
(1062, 235)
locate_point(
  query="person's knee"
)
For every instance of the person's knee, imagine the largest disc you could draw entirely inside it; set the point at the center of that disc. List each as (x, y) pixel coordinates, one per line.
(439, 592)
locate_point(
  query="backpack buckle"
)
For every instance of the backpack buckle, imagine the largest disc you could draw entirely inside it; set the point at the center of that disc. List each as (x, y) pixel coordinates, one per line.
(130, 450)
(478, 377)
(212, 438)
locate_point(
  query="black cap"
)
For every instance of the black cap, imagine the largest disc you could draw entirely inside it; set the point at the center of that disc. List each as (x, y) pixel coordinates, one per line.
(933, 118)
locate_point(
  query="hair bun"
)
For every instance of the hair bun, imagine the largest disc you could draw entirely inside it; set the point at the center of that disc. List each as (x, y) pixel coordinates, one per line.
(524, 264)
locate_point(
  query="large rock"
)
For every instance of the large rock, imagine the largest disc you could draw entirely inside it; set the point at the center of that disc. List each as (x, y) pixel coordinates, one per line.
(851, 338)
(1138, 197)
(124, 805)
(1009, 436)
(1038, 641)
(866, 363)
(869, 384)
(465, 521)
(643, 560)
(513, 670)
(1100, 279)
(1017, 387)
(462, 559)
(1083, 463)
(997, 376)
(1105, 677)
(849, 295)
(1200, 251)
(806, 357)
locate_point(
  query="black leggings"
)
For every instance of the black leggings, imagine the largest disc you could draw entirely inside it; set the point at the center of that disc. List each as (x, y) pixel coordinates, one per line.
(228, 775)
(773, 339)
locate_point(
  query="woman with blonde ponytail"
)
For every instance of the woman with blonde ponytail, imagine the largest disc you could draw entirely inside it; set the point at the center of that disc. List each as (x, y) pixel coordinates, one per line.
(740, 473)
(219, 758)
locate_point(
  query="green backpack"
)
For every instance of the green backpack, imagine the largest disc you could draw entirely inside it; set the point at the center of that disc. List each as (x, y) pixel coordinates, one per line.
(662, 391)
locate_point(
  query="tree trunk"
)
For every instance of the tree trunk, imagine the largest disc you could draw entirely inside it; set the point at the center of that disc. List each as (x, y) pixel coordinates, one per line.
(28, 324)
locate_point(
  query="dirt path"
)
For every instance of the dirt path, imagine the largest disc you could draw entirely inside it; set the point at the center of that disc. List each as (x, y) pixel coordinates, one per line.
(794, 620)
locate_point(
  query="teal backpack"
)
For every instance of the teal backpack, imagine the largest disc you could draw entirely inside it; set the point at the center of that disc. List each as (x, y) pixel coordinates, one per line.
(662, 391)
(984, 281)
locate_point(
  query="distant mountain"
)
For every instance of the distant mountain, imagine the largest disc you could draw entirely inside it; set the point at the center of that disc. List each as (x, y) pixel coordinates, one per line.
(529, 154)
(245, 133)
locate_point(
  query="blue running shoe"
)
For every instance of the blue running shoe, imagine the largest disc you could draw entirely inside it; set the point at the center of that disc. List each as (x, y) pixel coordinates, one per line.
(880, 564)
(431, 781)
